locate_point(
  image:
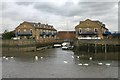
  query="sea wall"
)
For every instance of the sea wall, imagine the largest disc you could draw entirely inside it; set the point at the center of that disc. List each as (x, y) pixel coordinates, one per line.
(18, 45)
(103, 49)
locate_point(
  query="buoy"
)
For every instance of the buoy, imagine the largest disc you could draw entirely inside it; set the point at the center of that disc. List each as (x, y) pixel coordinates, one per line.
(100, 63)
(85, 64)
(107, 64)
(90, 58)
(65, 62)
(72, 56)
(80, 64)
(78, 57)
(41, 57)
(4, 57)
(36, 57)
(11, 57)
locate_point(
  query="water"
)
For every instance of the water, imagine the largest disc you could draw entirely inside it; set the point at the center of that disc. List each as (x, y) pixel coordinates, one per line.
(56, 63)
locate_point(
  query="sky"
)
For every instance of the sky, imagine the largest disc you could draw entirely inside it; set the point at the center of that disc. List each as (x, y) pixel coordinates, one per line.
(63, 15)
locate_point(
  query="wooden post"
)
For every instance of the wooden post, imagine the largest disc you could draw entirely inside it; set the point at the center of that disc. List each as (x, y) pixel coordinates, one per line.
(105, 48)
(88, 48)
(95, 47)
(95, 50)
(105, 51)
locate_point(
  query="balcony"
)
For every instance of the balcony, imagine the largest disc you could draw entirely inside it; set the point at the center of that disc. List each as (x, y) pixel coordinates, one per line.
(53, 34)
(106, 33)
(87, 33)
(24, 34)
(42, 33)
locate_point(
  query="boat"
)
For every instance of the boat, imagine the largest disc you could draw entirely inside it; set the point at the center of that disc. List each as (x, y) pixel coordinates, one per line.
(57, 45)
(66, 46)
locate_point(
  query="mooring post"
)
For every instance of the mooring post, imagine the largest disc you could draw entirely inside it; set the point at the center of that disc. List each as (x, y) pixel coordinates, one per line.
(95, 47)
(105, 48)
(95, 50)
(88, 48)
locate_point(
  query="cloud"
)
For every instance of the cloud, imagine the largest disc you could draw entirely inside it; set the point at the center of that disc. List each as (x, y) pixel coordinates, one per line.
(24, 3)
(59, 14)
(70, 9)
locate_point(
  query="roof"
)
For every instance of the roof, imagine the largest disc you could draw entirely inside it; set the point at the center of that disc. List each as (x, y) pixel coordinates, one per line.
(96, 21)
(40, 26)
(66, 31)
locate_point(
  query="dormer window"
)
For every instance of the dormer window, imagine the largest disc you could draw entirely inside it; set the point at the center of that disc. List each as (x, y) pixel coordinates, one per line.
(87, 29)
(44, 26)
(18, 30)
(95, 30)
(34, 25)
(80, 30)
(38, 25)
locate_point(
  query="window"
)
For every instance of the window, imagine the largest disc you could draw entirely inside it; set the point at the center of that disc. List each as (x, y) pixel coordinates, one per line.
(38, 25)
(80, 30)
(34, 25)
(87, 29)
(44, 26)
(24, 25)
(37, 37)
(30, 30)
(24, 30)
(95, 30)
(19, 31)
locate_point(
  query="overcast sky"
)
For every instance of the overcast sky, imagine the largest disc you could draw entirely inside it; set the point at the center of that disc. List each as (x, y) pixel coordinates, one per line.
(63, 14)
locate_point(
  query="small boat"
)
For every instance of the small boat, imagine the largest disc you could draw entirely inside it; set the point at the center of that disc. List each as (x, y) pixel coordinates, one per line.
(57, 45)
(66, 46)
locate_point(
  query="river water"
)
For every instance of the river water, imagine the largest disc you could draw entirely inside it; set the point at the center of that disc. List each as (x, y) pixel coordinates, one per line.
(56, 63)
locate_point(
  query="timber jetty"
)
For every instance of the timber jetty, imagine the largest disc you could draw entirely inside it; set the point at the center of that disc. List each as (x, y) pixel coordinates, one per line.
(102, 45)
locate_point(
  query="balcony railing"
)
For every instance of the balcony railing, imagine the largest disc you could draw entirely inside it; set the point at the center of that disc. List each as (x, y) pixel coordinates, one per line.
(24, 34)
(47, 33)
(42, 33)
(87, 33)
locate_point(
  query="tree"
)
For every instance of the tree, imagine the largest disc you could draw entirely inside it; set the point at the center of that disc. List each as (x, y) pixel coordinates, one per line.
(8, 35)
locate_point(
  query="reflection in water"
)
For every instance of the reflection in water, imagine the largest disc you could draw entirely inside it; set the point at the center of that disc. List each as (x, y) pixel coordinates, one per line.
(51, 63)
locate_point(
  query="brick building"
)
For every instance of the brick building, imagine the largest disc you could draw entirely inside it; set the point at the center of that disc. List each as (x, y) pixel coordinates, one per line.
(89, 29)
(39, 32)
(66, 35)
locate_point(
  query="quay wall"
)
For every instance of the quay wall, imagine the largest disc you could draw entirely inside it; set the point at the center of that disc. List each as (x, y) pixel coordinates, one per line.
(97, 49)
(96, 46)
(18, 45)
